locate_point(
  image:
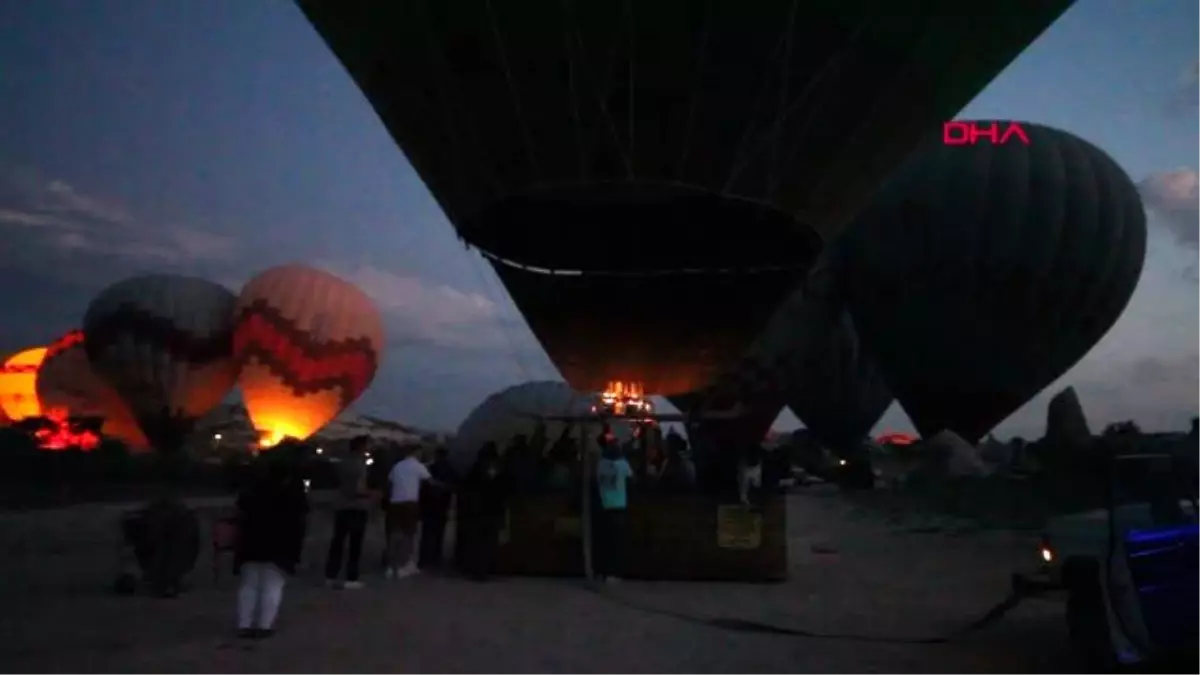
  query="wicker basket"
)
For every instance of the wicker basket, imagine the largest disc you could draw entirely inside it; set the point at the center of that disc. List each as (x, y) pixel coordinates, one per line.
(676, 537)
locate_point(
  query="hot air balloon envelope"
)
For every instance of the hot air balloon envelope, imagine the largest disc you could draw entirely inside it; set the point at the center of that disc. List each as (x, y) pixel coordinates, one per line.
(307, 344)
(520, 410)
(67, 385)
(165, 344)
(18, 384)
(982, 273)
(675, 163)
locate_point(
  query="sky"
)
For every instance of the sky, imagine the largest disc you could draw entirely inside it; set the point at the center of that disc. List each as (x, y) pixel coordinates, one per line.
(219, 137)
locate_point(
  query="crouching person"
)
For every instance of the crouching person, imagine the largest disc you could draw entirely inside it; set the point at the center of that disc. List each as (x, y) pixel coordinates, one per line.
(272, 514)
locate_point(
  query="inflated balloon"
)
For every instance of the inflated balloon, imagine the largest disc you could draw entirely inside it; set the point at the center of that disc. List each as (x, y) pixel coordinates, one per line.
(18, 379)
(838, 392)
(165, 343)
(307, 344)
(981, 273)
(521, 410)
(67, 384)
(650, 180)
(830, 383)
(808, 357)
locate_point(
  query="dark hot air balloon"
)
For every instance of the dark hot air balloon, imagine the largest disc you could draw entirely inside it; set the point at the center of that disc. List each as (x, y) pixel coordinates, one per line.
(808, 357)
(727, 423)
(829, 381)
(164, 342)
(983, 272)
(650, 179)
(308, 344)
(838, 392)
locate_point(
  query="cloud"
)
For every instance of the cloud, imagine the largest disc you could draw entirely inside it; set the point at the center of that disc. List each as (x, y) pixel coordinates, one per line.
(53, 214)
(1186, 95)
(1160, 393)
(419, 311)
(1174, 196)
(26, 219)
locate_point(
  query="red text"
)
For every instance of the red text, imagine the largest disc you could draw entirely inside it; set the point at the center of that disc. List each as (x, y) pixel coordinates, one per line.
(970, 133)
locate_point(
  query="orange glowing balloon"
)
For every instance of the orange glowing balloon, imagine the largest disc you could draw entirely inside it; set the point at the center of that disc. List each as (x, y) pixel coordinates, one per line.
(68, 386)
(18, 378)
(308, 344)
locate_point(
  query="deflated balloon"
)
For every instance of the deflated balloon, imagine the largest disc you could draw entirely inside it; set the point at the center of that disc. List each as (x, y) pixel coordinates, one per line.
(164, 342)
(18, 378)
(981, 273)
(308, 344)
(67, 383)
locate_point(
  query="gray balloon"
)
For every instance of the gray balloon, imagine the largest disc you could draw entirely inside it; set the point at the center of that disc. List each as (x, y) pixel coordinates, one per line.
(164, 342)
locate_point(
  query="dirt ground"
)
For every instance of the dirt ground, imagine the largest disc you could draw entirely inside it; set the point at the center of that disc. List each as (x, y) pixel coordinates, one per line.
(851, 572)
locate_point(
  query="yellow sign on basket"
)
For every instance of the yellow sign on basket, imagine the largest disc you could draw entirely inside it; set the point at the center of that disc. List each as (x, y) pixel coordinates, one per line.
(738, 527)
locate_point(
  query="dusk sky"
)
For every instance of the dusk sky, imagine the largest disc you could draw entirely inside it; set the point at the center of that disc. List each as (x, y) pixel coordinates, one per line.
(218, 137)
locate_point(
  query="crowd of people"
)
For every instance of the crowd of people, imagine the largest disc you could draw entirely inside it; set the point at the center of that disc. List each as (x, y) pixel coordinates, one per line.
(416, 496)
(536, 463)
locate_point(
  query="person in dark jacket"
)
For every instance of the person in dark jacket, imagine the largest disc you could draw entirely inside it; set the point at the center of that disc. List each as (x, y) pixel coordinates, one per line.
(519, 463)
(350, 516)
(559, 470)
(677, 473)
(483, 507)
(272, 514)
(435, 509)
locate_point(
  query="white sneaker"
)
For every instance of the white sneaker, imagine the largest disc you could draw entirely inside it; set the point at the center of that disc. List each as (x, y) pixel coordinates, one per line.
(331, 583)
(407, 571)
(389, 573)
(352, 585)
(612, 581)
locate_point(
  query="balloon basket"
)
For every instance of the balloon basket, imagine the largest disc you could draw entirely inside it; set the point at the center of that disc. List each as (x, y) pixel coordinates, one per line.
(682, 537)
(158, 546)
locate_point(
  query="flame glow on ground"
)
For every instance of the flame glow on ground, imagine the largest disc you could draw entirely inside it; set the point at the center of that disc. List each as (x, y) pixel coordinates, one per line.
(58, 434)
(896, 438)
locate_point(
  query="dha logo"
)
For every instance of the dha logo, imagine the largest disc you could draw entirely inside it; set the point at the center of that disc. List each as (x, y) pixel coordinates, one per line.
(970, 133)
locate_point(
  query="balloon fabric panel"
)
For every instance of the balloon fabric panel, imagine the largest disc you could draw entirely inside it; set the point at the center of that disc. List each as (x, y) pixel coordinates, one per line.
(302, 363)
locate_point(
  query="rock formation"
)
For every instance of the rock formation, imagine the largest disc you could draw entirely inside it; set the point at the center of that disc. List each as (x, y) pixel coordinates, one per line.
(1066, 424)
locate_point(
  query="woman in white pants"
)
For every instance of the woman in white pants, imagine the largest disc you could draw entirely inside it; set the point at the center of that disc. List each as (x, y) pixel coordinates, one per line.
(271, 525)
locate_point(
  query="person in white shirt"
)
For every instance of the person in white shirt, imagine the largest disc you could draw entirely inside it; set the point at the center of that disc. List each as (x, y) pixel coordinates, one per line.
(403, 513)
